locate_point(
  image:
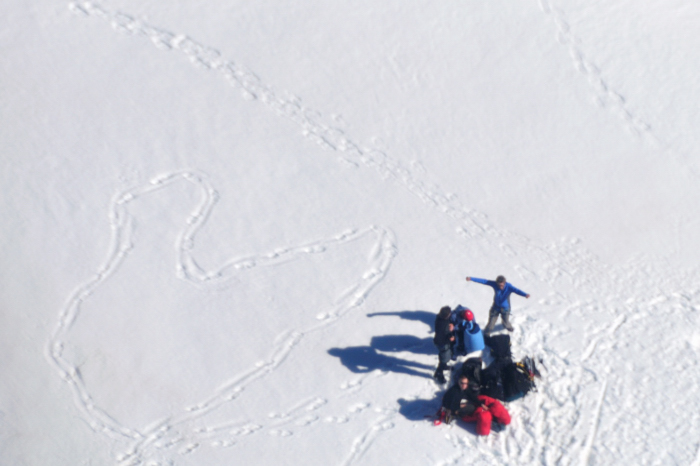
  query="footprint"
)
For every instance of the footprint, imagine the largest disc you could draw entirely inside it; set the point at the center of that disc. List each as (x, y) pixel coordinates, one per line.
(358, 408)
(188, 449)
(246, 430)
(222, 443)
(307, 420)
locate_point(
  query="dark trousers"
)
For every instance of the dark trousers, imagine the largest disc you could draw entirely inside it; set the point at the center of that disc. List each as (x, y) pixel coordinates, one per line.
(444, 356)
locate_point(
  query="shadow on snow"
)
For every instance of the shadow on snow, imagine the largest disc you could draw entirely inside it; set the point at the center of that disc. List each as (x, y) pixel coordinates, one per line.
(426, 410)
(363, 359)
(428, 318)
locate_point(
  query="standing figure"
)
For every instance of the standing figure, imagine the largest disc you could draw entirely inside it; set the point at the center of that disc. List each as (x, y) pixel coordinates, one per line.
(501, 301)
(444, 338)
(457, 320)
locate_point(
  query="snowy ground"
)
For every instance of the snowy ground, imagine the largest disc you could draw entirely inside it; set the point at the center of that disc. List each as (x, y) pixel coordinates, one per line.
(227, 228)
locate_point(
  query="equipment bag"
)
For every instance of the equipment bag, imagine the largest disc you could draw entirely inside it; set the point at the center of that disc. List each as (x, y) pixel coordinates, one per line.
(507, 381)
(500, 346)
(519, 379)
(472, 369)
(473, 338)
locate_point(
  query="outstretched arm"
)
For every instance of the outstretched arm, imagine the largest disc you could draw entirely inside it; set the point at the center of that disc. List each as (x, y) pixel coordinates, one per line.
(481, 280)
(520, 292)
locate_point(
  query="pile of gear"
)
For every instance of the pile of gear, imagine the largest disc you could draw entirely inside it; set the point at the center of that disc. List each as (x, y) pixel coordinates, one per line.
(503, 379)
(477, 394)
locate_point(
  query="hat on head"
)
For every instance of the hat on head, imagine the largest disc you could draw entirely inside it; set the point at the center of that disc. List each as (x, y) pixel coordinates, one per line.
(445, 312)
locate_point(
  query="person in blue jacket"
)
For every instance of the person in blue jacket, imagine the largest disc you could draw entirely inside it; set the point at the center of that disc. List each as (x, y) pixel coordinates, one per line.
(463, 320)
(501, 301)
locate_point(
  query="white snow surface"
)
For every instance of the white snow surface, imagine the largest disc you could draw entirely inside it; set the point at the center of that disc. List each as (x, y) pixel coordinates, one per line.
(228, 226)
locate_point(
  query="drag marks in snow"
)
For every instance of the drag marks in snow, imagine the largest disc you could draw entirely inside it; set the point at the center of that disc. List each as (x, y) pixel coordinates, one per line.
(594, 425)
(176, 430)
(614, 413)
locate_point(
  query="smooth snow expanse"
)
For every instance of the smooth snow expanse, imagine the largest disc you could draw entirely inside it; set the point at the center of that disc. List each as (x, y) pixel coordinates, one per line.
(227, 227)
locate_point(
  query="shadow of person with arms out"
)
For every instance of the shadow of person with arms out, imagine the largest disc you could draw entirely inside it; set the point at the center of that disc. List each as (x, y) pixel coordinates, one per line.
(363, 359)
(428, 318)
(399, 343)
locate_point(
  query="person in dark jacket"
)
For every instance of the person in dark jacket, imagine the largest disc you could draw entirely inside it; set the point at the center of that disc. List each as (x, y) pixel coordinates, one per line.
(501, 301)
(444, 336)
(464, 402)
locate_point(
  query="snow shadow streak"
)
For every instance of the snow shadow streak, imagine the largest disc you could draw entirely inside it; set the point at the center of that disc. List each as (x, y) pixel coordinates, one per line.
(397, 343)
(418, 410)
(364, 359)
(428, 318)
(421, 410)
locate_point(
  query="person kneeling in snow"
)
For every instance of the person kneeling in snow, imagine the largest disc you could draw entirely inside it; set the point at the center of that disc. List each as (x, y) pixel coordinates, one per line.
(464, 402)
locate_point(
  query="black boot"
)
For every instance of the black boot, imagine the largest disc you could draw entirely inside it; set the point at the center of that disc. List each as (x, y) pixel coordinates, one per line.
(439, 376)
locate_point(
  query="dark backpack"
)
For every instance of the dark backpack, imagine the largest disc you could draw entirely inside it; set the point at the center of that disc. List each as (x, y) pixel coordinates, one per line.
(519, 379)
(500, 346)
(507, 381)
(472, 369)
(492, 380)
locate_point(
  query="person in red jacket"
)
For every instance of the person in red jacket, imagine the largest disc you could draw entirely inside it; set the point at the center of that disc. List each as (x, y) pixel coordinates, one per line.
(463, 401)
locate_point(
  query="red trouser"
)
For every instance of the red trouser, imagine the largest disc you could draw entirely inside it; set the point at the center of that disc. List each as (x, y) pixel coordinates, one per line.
(496, 411)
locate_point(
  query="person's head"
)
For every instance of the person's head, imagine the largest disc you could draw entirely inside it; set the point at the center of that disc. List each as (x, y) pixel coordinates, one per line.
(445, 312)
(463, 382)
(468, 315)
(501, 281)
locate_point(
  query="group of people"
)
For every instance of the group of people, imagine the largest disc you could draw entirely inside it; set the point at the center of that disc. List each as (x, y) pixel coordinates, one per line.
(463, 400)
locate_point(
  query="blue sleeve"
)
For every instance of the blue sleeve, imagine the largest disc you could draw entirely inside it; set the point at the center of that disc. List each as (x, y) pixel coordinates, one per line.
(484, 281)
(517, 291)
